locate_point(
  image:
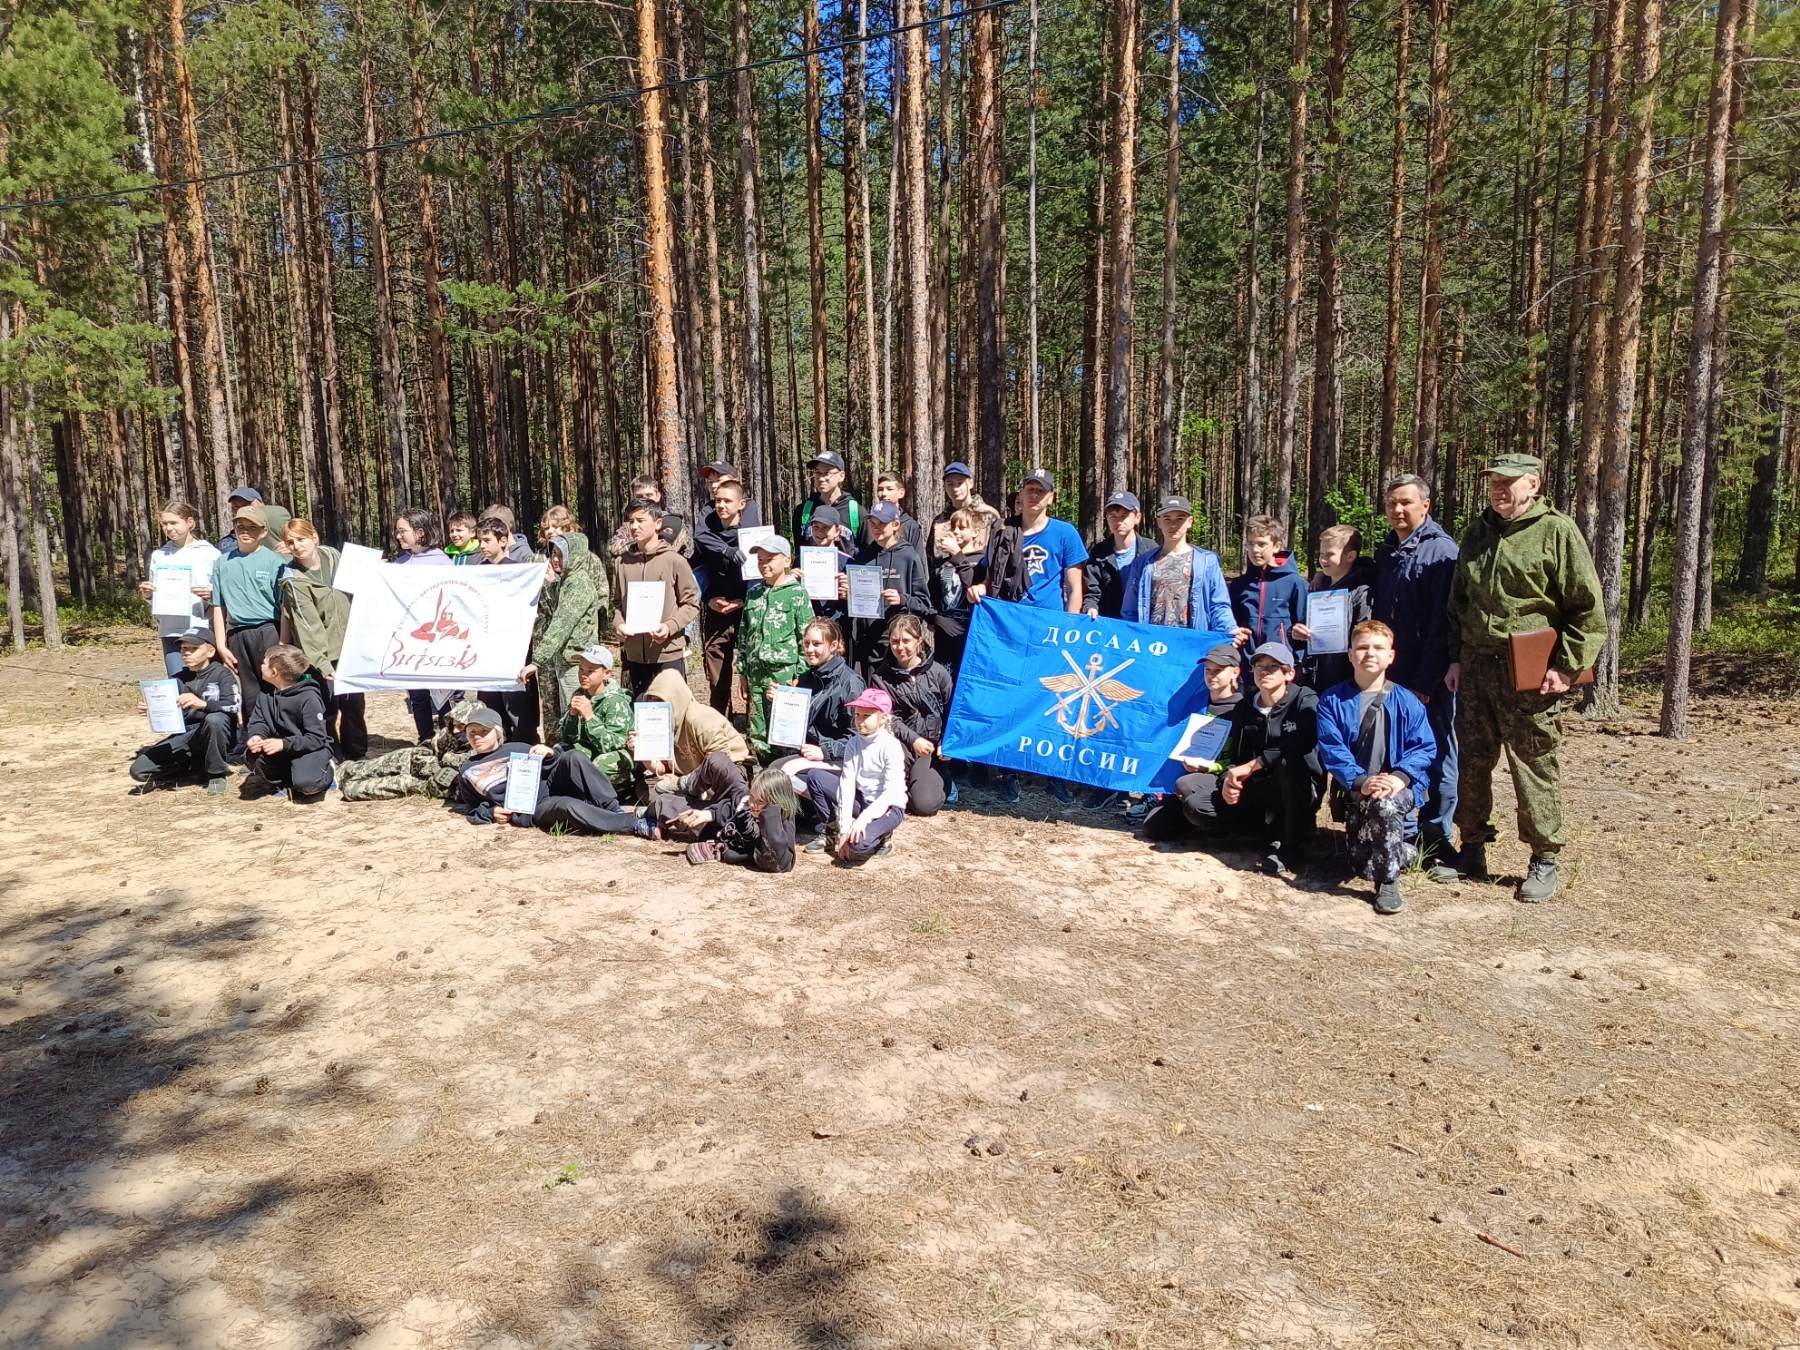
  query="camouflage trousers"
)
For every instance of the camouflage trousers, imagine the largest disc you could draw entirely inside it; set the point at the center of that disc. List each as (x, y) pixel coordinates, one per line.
(1492, 716)
(407, 772)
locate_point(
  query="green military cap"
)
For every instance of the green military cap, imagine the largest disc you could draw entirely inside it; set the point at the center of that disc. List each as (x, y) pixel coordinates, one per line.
(1515, 466)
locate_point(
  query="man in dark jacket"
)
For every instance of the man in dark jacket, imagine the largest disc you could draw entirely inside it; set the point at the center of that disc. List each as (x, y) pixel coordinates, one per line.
(715, 475)
(1111, 556)
(905, 589)
(209, 705)
(1274, 785)
(1413, 569)
(719, 568)
(827, 468)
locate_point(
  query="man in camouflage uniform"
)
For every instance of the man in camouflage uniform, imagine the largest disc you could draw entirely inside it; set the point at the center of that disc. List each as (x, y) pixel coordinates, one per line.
(414, 770)
(776, 612)
(599, 718)
(1524, 567)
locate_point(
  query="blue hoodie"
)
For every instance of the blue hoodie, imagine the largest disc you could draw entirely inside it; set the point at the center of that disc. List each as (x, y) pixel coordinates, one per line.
(1269, 601)
(1412, 597)
(1410, 744)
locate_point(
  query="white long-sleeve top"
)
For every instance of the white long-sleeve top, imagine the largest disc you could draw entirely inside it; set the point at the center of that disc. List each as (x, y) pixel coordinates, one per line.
(876, 767)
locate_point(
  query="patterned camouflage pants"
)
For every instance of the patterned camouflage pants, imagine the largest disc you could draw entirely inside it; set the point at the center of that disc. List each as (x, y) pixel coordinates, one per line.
(1492, 716)
(1375, 828)
(398, 773)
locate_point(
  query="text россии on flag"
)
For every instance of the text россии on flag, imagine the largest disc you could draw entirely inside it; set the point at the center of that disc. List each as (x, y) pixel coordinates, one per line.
(424, 627)
(1094, 700)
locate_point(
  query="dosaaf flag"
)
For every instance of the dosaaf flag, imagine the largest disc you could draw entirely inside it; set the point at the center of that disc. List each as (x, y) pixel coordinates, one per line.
(1097, 701)
(425, 627)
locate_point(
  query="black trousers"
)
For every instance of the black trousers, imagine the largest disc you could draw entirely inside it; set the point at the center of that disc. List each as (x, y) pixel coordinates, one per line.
(308, 774)
(717, 779)
(518, 711)
(718, 635)
(1278, 806)
(249, 645)
(924, 786)
(198, 751)
(346, 720)
(575, 795)
(638, 674)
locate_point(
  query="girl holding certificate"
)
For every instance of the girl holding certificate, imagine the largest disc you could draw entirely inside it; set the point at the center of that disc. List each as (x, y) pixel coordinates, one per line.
(180, 582)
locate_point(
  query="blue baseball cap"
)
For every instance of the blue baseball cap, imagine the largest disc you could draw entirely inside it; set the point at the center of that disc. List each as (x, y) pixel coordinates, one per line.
(957, 469)
(883, 513)
(1125, 499)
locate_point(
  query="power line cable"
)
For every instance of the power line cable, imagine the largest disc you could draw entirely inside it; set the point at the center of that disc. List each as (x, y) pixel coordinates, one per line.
(523, 119)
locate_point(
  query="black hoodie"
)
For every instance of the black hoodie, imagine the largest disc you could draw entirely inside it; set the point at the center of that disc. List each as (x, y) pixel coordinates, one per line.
(1285, 740)
(1326, 669)
(829, 722)
(480, 784)
(921, 698)
(902, 570)
(295, 716)
(215, 684)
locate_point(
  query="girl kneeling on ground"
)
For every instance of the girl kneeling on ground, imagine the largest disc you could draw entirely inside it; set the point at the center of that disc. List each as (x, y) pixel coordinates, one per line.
(869, 789)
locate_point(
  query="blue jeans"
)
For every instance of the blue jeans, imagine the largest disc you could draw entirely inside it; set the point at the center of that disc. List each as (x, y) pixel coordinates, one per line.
(1440, 798)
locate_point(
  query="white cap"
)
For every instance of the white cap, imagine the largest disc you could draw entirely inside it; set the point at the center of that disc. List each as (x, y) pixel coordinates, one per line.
(598, 655)
(772, 546)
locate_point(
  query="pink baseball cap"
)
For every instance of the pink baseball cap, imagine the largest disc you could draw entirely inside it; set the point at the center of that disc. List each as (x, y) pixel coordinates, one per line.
(873, 700)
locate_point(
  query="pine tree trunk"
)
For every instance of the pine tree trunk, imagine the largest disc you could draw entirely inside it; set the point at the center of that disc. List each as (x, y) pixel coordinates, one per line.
(392, 393)
(1699, 374)
(721, 377)
(1389, 445)
(927, 470)
(1327, 421)
(755, 375)
(1033, 365)
(333, 519)
(1759, 512)
(1287, 434)
(1091, 437)
(815, 235)
(1644, 503)
(1167, 428)
(1122, 245)
(990, 226)
(1431, 322)
(1250, 423)
(1622, 345)
(206, 305)
(12, 492)
(1595, 401)
(1533, 290)
(857, 362)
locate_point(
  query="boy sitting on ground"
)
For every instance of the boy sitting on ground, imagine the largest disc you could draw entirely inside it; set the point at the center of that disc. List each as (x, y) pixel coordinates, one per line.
(1272, 790)
(1376, 743)
(286, 741)
(209, 704)
(598, 721)
(1188, 806)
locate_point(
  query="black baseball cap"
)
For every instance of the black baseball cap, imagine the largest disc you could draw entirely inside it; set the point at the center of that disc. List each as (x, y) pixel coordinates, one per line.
(1125, 499)
(1223, 654)
(719, 469)
(830, 458)
(1174, 502)
(1042, 478)
(826, 515)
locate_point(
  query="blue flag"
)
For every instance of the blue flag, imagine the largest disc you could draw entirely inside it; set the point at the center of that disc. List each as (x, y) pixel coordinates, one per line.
(1093, 700)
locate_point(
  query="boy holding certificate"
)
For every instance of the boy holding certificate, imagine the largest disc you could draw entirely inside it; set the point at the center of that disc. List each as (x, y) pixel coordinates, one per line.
(651, 558)
(776, 612)
(1376, 743)
(1340, 595)
(208, 700)
(904, 589)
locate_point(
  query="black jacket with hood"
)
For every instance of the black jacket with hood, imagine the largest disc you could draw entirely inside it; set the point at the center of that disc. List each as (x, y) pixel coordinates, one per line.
(921, 698)
(1286, 741)
(295, 715)
(829, 722)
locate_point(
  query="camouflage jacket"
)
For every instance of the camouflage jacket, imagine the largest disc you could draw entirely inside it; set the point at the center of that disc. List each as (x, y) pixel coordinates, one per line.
(600, 737)
(768, 644)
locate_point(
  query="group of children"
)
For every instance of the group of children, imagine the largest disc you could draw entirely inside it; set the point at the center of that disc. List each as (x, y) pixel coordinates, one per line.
(266, 620)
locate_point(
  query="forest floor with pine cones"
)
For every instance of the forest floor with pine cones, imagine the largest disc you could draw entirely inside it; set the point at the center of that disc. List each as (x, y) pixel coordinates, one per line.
(363, 1075)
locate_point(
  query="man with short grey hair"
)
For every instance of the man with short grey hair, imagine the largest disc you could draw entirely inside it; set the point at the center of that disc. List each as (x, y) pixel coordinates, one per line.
(1413, 568)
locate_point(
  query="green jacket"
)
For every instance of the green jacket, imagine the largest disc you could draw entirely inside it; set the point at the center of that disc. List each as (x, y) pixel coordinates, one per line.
(1517, 576)
(601, 737)
(569, 609)
(317, 613)
(768, 642)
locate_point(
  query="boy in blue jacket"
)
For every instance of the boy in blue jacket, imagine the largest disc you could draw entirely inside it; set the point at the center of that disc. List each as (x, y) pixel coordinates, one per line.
(1269, 599)
(1376, 743)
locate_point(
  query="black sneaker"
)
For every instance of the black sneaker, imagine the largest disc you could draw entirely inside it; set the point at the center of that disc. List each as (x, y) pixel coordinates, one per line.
(1273, 865)
(1387, 898)
(1099, 799)
(1541, 881)
(1008, 790)
(1061, 791)
(1469, 863)
(821, 842)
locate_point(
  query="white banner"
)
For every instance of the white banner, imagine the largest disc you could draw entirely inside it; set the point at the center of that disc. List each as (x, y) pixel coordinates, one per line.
(419, 626)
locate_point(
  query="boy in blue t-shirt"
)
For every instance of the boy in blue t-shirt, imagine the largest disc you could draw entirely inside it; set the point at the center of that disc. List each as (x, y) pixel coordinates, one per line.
(1036, 560)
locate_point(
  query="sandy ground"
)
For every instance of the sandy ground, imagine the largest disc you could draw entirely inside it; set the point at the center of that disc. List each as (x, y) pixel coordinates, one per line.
(365, 1075)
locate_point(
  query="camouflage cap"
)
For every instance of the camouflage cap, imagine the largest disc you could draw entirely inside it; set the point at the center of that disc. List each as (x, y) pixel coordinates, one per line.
(462, 710)
(1515, 466)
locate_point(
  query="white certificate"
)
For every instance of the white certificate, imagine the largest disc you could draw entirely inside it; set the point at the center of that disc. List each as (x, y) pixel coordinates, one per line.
(355, 568)
(749, 536)
(172, 594)
(523, 773)
(1328, 619)
(643, 606)
(865, 592)
(787, 715)
(1202, 738)
(655, 736)
(159, 702)
(820, 568)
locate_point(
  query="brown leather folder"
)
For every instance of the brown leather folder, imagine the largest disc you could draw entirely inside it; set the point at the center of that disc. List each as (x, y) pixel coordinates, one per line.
(1530, 655)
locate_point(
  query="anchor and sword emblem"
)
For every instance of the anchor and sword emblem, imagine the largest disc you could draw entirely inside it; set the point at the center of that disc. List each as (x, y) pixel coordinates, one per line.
(1079, 694)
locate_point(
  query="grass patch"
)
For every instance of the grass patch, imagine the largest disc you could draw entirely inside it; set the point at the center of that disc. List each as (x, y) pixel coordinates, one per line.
(1754, 640)
(933, 924)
